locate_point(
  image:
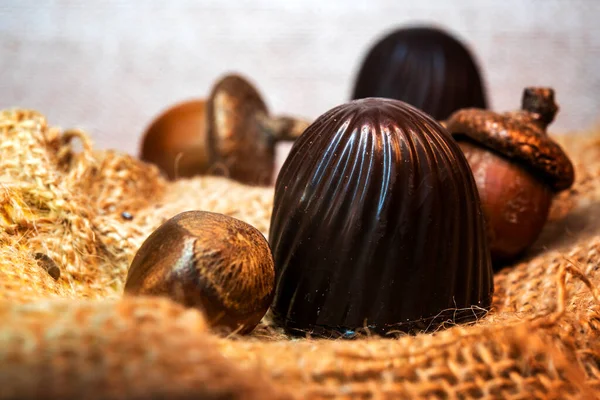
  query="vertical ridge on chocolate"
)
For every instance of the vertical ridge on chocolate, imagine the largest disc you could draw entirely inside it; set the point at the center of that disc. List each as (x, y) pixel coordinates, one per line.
(377, 224)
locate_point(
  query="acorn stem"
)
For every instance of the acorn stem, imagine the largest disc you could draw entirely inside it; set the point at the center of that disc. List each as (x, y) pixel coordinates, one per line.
(283, 128)
(540, 101)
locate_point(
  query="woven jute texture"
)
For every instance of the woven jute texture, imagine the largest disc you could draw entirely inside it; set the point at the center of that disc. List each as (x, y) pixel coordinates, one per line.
(78, 337)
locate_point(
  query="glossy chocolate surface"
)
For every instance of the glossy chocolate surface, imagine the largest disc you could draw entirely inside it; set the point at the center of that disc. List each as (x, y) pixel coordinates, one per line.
(377, 224)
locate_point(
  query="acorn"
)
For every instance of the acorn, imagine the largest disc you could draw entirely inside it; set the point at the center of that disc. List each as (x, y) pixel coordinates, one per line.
(230, 134)
(211, 262)
(377, 226)
(518, 169)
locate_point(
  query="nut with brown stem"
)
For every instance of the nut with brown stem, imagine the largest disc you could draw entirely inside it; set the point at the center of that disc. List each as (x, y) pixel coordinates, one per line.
(232, 133)
(517, 167)
(208, 261)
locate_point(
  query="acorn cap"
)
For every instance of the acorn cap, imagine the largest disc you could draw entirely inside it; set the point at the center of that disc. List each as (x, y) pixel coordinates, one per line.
(236, 140)
(520, 135)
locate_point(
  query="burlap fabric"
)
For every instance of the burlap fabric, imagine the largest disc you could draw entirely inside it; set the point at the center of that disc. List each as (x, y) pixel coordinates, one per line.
(78, 337)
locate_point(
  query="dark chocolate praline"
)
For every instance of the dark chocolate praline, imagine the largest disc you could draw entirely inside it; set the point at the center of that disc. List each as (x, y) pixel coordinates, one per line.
(377, 224)
(427, 67)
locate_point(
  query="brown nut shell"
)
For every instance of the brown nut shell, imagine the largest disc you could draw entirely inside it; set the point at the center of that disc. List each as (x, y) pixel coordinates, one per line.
(515, 203)
(520, 136)
(237, 142)
(209, 261)
(176, 140)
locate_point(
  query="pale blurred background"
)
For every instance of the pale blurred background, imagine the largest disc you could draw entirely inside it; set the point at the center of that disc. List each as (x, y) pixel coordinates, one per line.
(110, 66)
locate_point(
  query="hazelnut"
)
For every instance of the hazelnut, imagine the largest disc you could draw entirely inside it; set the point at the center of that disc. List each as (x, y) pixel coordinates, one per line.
(230, 134)
(517, 168)
(209, 261)
(377, 224)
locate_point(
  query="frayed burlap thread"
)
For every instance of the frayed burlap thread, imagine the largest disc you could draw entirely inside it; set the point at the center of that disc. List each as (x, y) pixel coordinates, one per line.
(53, 350)
(79, 337)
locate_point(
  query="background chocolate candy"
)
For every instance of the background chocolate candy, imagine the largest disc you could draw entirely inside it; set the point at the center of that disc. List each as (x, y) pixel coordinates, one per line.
(426, 67)
(377, 223)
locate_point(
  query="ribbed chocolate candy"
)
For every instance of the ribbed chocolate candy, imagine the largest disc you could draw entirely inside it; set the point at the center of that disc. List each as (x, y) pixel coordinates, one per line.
(377, 224)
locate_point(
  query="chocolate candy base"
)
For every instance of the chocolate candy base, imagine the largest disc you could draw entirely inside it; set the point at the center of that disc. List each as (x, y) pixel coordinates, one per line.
(444, 319)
